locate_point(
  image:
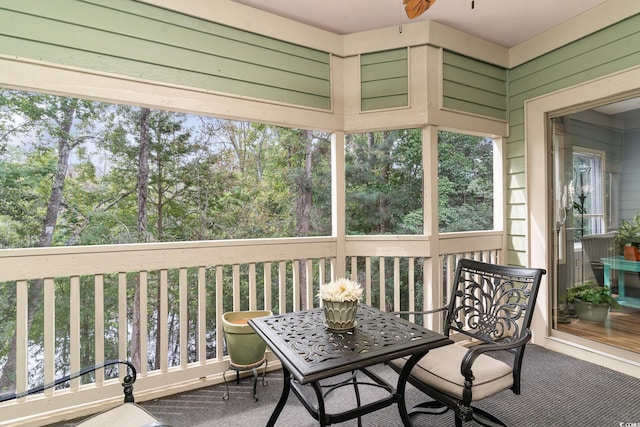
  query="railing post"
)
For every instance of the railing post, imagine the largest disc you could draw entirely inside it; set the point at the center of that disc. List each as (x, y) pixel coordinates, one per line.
(338, 191)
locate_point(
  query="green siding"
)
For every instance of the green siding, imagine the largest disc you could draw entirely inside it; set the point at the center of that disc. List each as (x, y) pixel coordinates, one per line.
(630, 185)
(583, 130)
(612, 49)
(384, 80)
(144, 41)
(596, 137)
(473, 86)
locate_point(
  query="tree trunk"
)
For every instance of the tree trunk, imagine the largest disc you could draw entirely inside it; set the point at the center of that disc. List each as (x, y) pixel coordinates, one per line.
(143, 174)
(143, 197)
(304, 202)
(65, 145)
(55, 197)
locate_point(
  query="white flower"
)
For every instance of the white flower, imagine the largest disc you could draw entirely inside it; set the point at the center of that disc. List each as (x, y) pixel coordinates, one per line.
(585, 189)
(341, 290)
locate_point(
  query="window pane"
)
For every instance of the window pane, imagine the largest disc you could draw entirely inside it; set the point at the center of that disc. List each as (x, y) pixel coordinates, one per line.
(587, 187)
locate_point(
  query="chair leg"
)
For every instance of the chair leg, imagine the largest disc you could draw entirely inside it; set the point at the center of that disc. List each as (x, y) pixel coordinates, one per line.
(431, 407)
(486, 419)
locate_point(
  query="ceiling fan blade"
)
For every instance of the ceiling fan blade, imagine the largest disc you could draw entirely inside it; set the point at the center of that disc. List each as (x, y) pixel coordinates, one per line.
(416, 8)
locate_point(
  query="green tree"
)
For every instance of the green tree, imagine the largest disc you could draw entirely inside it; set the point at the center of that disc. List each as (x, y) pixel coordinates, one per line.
(305, 168)
(384, 182)
(55, 127)
(22, 195)
(196, 178)
(465, 182)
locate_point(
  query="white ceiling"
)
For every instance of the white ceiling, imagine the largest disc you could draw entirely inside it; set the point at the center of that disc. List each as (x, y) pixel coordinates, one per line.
(504, 22)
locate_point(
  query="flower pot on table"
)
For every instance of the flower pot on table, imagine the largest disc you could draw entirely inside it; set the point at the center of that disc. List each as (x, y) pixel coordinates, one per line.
(340, 316)
(631, 253)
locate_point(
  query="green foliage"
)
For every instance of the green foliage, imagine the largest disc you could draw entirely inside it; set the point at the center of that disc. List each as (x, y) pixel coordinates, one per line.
(23, 193)
(8, 311)
(629, 232)
(384, 182)
(465, 182)
(208, 179)
(589, 292)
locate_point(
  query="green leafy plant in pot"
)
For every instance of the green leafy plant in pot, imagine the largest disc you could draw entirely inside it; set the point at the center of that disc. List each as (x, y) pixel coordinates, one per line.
(628, 233)
(592, 302)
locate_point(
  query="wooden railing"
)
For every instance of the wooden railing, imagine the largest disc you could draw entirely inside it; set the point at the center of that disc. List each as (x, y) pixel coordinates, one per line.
(186, 287)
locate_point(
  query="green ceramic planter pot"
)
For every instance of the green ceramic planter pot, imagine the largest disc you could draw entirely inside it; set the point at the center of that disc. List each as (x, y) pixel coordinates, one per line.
(589, 312)
(340, 316)
(244, 346)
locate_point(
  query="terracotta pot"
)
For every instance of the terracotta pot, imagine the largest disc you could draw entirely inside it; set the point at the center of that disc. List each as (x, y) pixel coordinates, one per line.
(244, 346)
(631, 253)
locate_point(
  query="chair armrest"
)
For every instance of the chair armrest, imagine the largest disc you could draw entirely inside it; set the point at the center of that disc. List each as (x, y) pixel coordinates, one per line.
(127, 383)
(474, 352)
(435, 310)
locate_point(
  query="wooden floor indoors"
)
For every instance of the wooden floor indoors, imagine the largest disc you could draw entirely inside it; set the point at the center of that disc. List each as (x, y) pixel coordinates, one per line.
(621, 329)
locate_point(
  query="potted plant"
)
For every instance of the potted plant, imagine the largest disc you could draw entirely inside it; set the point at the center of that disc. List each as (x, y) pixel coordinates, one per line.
(244, 346)
(592, 302)
(340, 300)
(628, 235)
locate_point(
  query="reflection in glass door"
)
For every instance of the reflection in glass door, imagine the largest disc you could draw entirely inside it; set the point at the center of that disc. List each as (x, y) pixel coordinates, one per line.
(596, 188)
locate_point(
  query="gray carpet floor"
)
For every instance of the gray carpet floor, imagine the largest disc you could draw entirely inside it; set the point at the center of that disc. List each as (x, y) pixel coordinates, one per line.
(557, 390)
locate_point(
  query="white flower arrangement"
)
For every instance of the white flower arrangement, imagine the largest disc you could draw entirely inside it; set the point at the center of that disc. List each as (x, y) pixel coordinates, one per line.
(341, 290)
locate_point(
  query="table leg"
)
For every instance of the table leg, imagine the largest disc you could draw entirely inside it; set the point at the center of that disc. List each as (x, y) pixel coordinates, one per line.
(322, 414)
(621, 295)
(402, 383)
(283, 398)
(358, 400)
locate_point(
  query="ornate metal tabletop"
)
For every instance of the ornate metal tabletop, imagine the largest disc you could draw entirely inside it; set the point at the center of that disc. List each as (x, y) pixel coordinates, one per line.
(311, 352)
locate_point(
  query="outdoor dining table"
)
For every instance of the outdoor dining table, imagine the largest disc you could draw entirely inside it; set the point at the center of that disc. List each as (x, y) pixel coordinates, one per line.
(309, 353)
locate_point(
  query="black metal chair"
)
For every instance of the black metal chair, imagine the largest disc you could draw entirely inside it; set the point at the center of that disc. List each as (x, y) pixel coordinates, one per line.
(491, 307)
(128, 413)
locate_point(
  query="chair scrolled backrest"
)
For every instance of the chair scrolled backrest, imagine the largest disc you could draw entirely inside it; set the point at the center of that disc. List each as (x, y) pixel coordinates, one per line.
(492, 303)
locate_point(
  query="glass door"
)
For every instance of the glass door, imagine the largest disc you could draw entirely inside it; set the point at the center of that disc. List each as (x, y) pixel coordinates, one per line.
(596, 188)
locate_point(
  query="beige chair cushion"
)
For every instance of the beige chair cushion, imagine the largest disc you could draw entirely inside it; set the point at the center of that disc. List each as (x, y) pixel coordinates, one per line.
(127, 414)
(440, 369)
